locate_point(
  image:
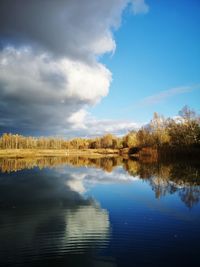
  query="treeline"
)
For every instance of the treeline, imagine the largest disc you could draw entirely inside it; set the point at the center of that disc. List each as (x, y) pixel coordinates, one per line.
(16, 141)
(179, 133)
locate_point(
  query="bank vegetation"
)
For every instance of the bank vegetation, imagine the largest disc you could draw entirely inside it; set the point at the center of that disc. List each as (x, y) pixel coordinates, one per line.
(160, 137)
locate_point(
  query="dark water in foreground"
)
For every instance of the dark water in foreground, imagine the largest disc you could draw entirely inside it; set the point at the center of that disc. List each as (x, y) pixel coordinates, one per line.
(99, 212)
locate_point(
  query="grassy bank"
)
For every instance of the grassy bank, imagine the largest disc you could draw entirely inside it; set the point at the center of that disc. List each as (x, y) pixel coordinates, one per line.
(22, 153)
(149, 154)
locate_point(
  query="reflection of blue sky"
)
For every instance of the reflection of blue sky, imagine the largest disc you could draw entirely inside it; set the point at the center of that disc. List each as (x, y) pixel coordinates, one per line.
(102, 185)
(139, 197)
(82, 180)
(144, 225)
(57, 210)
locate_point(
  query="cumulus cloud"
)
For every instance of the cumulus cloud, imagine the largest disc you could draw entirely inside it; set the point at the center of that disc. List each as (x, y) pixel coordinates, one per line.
(78, 29)
(38, 91)
(41, 78)
(49, 68)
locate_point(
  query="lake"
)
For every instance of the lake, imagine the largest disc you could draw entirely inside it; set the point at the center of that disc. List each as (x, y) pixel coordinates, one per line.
(99, 212)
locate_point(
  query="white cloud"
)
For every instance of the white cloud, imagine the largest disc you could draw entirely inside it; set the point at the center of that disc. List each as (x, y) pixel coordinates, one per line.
(139, 7)
(44, 90)
(77, 119)
(42, 78)
(163, 95)
(74, 28)
(90, 126)
(49, 68)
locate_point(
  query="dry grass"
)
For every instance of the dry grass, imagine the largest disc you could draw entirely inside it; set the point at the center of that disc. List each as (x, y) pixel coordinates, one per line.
(56, 152)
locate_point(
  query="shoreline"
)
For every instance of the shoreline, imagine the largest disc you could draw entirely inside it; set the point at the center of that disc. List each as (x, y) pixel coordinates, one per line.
(22, 153)
(145, 153)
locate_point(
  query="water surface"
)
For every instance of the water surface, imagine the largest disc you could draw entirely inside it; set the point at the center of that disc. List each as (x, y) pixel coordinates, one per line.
(99, 212)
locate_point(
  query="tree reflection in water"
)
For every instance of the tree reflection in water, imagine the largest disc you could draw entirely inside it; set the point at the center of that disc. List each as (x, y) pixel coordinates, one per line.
(164, 177)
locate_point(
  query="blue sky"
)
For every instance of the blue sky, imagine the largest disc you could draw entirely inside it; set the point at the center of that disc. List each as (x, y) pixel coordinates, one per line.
(86, 68)
(157, 51)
